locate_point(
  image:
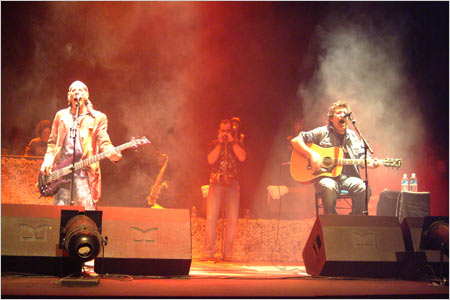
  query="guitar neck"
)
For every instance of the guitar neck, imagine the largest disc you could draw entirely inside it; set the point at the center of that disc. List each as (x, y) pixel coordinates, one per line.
(56, 174)
(84, 163)
(349, 161)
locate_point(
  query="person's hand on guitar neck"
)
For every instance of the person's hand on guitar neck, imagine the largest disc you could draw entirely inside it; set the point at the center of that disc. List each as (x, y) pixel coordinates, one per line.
(372, 163)
(113, 155)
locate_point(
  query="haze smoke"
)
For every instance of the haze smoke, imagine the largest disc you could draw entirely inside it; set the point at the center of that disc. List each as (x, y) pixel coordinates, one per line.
(360, 59)
(144, 52)
(363, 63)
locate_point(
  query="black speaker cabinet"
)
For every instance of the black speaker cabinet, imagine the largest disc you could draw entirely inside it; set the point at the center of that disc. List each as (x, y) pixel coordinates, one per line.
(403, 204)
(354, 246)
(413, 229)
(413, 205)
(30, 240)
(145, 241)
(387, 204)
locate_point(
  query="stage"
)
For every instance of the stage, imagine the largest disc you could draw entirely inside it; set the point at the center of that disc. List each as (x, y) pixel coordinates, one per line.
(209, 279)
(179, 236)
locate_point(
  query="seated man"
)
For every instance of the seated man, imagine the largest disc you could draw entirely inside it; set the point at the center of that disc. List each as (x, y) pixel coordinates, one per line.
(336, 134)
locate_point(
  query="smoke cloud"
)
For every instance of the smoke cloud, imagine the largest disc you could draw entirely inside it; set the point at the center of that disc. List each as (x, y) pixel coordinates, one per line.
(362, 61)
(358, 56)
(171, 71)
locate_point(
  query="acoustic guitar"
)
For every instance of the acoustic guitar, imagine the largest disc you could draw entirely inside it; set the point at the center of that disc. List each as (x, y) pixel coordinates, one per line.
(332, 161)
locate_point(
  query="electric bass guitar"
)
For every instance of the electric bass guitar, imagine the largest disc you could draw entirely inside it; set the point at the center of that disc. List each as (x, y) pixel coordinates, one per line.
(332, 161)
(50, 184)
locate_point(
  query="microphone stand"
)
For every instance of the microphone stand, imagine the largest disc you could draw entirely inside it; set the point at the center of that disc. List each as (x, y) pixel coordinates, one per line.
(74, 133)
(225, 145)
(366, 147)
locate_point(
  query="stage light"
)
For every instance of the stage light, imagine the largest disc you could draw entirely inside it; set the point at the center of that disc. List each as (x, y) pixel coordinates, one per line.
(435, 234)
(80, 234)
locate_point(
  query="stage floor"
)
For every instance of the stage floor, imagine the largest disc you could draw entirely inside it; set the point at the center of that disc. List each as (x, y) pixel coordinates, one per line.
(209, 279)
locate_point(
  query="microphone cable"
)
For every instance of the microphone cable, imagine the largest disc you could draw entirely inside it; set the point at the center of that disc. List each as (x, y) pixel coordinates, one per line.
(282, 268)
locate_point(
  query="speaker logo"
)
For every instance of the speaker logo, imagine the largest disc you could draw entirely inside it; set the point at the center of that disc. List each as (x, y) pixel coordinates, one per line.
(147, 236)
(364, 240)
(38, 233)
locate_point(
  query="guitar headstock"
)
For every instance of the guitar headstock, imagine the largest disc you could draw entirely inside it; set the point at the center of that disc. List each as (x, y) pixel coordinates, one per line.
(138, 142)
(392, 162)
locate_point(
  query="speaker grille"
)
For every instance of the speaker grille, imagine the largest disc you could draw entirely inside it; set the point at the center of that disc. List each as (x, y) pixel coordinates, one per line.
(356, 246)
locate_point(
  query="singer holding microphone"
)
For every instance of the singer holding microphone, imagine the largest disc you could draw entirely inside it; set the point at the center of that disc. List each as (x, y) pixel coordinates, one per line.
(336, 134)
(227, 151)
(78, 132)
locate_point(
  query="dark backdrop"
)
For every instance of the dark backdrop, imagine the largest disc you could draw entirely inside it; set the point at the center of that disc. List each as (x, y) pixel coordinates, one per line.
(171, 71)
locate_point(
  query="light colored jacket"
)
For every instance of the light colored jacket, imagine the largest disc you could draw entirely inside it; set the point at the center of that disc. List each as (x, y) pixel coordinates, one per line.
(93, 136)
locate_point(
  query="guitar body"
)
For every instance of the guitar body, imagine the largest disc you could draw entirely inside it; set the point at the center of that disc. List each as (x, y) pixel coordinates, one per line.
(301, 169)
(49, 187)
(46, 187)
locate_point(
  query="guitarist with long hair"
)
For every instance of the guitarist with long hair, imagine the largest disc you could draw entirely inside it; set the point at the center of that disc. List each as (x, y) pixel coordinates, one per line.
(328, 181)
(91, 137)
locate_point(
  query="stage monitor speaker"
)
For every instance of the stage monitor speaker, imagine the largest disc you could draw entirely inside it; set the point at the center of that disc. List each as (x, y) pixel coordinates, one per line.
(30, 240)
(403, 204)
(145, 241)
(413, 229)
(354, 246)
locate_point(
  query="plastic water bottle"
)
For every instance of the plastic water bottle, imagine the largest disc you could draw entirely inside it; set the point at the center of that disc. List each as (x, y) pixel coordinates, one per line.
(413, 183)
(405, 183)
(194, 212)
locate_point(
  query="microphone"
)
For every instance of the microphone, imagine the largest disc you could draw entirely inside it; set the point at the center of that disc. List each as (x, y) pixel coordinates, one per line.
(77, 100)
(347, 115)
